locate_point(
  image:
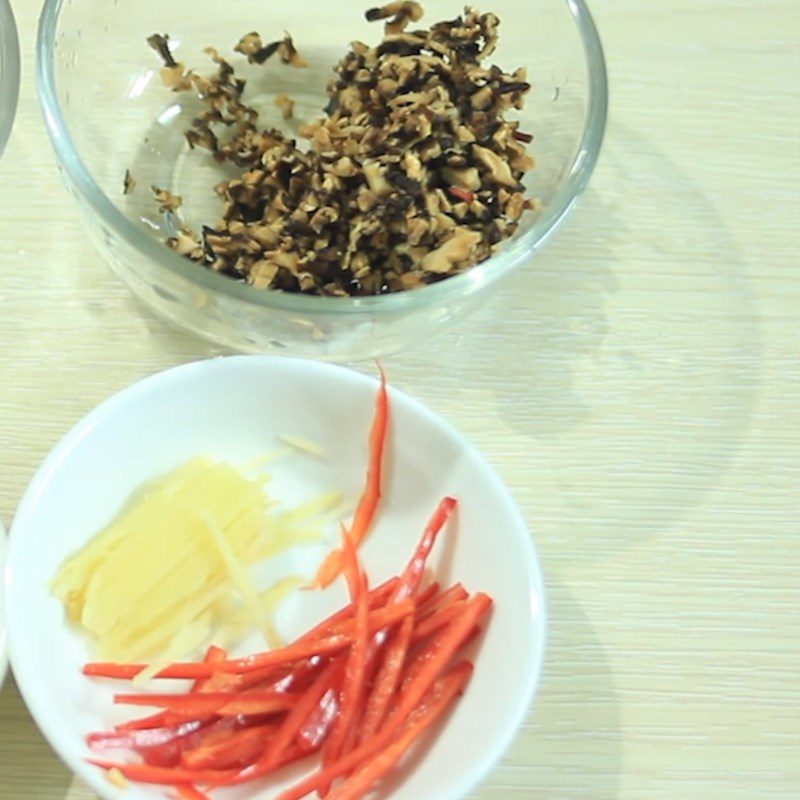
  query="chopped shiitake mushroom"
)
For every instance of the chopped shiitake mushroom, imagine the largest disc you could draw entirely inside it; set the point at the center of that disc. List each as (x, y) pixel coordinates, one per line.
(401, 14)
(456, 250)
(286, 105)
(288, 53)
(167, 202)
(412, 175)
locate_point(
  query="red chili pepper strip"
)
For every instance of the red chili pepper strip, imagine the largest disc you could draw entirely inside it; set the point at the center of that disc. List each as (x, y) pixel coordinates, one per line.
(317, 727)
(419, 677)
(136, 739)
(426, 652)
(452, 595)
(378, 619)
(296, 677)
(428, 595)
(221, 703)
(367, 505)
(369, 749)
(377, 598)
(169, 776)
(449, 642)
(353, 688)
(214, 655)
(523, 137)
(236, 749)
(165, 755)
(414, 689)
(424, 599)
(443, 694)
(461, 194)
(188, 792)
(172, 776)
(438, 620)
(290, 727)
(412, 574)
(158, 720)
(387, 680)
(169, 754)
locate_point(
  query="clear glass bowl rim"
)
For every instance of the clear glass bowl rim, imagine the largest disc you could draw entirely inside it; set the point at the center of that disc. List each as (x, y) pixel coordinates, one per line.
(439, 293)
(9, 72)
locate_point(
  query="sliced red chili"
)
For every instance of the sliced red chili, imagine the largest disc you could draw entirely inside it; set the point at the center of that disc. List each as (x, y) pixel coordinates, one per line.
(452, 638)
(317, 727)
(214, 655)
(167, 776)
(353, 688)
(387, 680)
(157, 720)
(412, 574)
(428, 596)
(438, 620)
(302, 710)
(236, 749)
(377, 598)
(221, 703)
(442, 695)
(461, 194)
(135, 739)
(452, 595)
(368, 504)
(454, 681)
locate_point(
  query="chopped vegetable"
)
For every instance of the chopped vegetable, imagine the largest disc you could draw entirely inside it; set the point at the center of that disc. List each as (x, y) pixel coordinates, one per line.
(385, 682)
(362, 687)
(295, 719)
(139, 739)
(368, 504)
(201, 704)
(320, 721)
(377, 597)
(442, 695)
(214, 655)
(237, 749)
(413, 174)
(353, 689)
(461, 194)
(209, 525)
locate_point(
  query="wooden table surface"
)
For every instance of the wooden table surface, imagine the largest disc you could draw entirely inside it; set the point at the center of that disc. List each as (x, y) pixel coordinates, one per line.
(637, 388)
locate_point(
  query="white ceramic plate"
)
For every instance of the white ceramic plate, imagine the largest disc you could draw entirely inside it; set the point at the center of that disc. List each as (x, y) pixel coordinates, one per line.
(3, 659)
(234, 408)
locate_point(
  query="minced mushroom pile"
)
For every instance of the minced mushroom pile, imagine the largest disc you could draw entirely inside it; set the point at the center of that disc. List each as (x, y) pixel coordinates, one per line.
(412, 175)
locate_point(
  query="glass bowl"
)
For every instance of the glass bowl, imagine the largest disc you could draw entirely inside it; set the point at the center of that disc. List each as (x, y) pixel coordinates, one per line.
(107, 112)
(9, 72)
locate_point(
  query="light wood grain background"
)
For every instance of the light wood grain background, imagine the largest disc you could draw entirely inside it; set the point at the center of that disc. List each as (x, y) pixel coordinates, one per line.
(637, 388)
